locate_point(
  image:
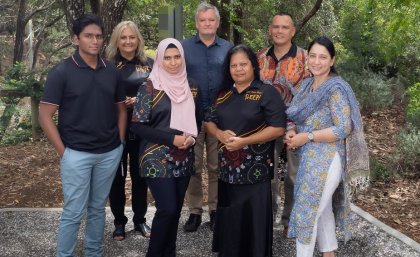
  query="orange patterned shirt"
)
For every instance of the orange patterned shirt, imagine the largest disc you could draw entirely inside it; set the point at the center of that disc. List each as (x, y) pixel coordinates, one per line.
(285, 74)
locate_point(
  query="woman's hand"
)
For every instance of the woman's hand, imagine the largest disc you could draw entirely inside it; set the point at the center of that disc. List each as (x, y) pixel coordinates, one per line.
(296, 140)
(189, 141)
(179, 141)
(235, 143)
(129, 101)
(289, 135)
(224, 136)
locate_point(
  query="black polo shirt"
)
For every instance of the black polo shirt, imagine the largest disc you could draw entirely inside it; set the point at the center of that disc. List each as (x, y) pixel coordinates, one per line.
(133, 73)
(159, 158)
(87, 114)
(247, 113)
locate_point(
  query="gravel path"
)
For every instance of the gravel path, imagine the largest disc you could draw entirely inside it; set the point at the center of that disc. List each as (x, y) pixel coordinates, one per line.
(32, 232)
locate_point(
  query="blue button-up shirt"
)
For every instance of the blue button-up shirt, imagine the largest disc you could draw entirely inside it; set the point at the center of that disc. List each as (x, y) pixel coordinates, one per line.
(204, 65)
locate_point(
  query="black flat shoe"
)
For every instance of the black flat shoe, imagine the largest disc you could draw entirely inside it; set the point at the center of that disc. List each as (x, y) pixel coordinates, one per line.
(192, 223)
(119, 233)
(212, 220)
(144, 229)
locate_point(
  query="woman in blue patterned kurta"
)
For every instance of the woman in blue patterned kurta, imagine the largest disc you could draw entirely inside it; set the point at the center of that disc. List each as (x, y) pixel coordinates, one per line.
(327, 121)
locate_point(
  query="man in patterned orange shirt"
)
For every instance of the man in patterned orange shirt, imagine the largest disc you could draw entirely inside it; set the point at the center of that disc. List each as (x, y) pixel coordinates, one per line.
(283, 65)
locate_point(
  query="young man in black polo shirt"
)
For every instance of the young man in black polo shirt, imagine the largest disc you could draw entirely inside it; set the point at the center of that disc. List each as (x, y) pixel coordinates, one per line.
(91, 128)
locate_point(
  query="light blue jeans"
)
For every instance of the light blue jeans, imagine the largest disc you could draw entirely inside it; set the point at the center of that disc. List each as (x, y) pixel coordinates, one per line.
(86, 179)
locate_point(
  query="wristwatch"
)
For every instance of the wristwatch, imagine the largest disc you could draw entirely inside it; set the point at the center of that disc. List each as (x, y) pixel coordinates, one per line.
(311, 136)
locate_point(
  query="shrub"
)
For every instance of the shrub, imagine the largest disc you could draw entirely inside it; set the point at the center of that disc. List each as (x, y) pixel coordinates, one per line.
(372, 90)
(407, 155)
(20, 129)
(379, 171)
(413, 106)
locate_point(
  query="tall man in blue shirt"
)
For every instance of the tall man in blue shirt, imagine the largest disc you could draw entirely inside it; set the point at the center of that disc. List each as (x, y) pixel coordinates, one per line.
(89, 137)
(204, 54)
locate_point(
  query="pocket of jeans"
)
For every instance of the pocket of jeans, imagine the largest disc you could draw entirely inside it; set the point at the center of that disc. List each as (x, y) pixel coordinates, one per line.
(65, 153)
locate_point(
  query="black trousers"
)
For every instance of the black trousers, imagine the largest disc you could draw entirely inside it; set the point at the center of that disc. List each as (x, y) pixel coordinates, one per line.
(169, 197)
(138, 187)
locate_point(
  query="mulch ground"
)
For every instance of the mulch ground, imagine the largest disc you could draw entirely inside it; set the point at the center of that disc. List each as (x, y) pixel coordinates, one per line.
(29, 177)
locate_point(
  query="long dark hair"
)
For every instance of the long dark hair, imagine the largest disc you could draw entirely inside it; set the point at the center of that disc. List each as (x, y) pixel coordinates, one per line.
(329, 45)
(228, 81)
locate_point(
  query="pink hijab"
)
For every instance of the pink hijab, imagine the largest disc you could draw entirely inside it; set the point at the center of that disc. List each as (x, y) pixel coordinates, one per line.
(176, 88)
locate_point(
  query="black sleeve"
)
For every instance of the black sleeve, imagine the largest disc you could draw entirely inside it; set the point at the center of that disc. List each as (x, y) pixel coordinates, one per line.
(273, 106)
(54, 86)
(120, 92)
(144, 101)
(210, 114)
(143, 130)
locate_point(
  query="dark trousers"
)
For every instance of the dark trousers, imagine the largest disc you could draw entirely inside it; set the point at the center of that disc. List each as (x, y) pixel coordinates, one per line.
(169, 197)
(138, 187)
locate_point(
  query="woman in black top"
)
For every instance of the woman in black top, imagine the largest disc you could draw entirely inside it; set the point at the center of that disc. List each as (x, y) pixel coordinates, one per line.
(166, 119)
(246, 117)
(126, 50)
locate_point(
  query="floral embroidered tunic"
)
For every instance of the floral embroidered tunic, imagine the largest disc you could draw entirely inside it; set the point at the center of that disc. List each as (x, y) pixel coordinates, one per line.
(285, 74)
(316, 158)
(159, 158)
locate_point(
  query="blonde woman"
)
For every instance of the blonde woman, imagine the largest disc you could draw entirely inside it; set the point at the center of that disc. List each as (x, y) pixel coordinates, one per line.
(126, 51)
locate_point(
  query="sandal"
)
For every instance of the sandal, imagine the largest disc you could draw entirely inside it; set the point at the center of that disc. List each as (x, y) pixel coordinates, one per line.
(144, 229)
(119, 233)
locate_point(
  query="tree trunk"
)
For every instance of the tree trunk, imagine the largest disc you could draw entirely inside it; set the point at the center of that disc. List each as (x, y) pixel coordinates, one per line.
(224, 29)
(36, 128)
(308, 16)
(95, 6)
(73, 10)
(20, 33)
(237, 35)
(112, 13)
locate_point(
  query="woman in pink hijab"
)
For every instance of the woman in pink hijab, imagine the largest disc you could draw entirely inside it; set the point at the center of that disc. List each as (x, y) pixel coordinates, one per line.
(166, 119)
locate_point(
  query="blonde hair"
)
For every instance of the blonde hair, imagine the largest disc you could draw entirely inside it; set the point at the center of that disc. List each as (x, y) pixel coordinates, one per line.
(112, 49)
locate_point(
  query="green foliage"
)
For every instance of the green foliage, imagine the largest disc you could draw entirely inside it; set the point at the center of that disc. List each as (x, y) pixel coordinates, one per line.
(19, 135)
(18, 78)
(8, 111)
(372, 90)
(18, 127)
(380, 36)
(144, 13)
(379, 171)
(407, 156)
(20, 132)
(413, 107)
